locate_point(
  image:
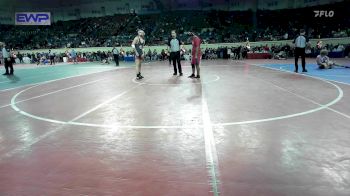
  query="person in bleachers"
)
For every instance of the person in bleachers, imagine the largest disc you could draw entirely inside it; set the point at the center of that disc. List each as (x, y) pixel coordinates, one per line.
(155, 55)
(149, 54)
(20, 57)
(1, 57)
(74, 56)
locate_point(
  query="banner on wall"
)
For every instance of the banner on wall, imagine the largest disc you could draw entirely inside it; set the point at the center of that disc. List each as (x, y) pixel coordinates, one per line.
(33, 18)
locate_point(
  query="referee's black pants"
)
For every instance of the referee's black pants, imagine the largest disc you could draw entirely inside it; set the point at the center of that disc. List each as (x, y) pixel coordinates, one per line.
(176, 58)
(299, 52)
(116, 59)
(8, 65)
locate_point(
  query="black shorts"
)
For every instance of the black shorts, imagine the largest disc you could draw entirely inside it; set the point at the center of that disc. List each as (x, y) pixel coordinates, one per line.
(8, 62)
(321, 67)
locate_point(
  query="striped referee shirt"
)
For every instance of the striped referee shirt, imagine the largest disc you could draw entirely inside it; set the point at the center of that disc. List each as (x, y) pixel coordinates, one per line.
(5, 53)
(174, 44)
(300, 41)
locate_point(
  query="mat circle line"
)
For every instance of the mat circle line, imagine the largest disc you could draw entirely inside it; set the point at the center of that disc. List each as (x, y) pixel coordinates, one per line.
(322, 107)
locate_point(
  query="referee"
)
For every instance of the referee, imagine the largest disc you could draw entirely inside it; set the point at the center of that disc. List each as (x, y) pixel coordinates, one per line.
(300, 44)
(175, 46)
(116, 56)
(7, 60)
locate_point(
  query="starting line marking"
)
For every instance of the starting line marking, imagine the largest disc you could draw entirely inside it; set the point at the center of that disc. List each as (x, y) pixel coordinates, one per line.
(164, 84)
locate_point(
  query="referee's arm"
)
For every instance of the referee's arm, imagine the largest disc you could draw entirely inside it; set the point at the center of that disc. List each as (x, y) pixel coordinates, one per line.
(168, 44)
(182, 46)
(307, 41)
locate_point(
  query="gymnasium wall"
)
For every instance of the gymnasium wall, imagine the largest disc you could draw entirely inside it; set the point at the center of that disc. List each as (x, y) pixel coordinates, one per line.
(334, 41)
